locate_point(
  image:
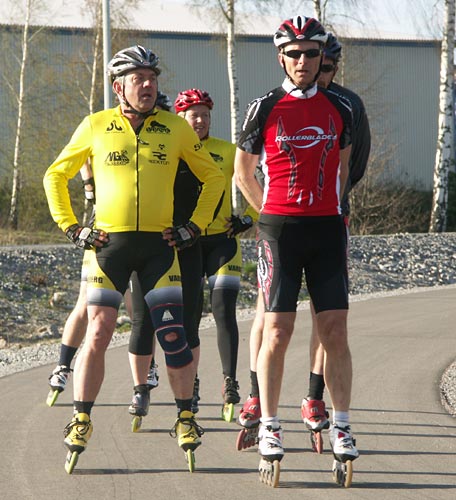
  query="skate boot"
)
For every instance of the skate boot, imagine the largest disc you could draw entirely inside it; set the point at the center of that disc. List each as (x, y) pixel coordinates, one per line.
(271, 450)
(342, 443)
(344, 451)
(230, 397)
(76, 434)
(249, 418)
(196, 396)
(57, 382)
(139, 407)
(315, 416)
(188, 434)
(152, 377)
(251, 412)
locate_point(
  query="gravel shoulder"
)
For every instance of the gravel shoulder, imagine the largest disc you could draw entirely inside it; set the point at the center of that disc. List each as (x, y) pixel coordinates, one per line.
(39, 286)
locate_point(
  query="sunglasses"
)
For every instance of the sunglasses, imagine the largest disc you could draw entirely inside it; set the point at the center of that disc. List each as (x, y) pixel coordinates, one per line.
(309, 53)
(327, 68)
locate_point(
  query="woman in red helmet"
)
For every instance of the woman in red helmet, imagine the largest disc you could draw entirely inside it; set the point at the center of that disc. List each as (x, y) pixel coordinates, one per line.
(221, 252)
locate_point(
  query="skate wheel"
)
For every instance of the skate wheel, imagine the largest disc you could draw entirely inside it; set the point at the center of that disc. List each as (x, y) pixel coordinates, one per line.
(348, 473)
(240, 440)
(228, 412)
(52, 397)
(317, 442)
(274, 479)
(269, 472)
(71, 461)
(343, 473)
(246, 438)
(190, 456)
(136, 424)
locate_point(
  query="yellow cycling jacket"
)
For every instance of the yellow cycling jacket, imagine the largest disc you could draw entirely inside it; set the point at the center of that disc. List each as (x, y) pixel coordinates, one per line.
(223, 153)
(134, 174)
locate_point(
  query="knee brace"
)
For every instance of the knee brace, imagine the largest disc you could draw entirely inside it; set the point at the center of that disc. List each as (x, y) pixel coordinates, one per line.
(177, 352)
(167, 321)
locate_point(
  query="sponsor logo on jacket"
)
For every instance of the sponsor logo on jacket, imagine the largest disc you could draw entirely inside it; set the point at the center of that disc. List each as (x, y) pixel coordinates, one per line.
(306, 137)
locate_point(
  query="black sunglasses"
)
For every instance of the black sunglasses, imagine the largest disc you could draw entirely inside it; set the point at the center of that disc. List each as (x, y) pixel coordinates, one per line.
(309, 53)
(327, 68)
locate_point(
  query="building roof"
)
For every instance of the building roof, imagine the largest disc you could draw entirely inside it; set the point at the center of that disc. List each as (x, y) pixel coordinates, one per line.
(160, 16)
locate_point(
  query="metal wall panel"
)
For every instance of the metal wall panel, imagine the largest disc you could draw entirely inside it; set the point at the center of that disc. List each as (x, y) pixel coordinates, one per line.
(398, 82)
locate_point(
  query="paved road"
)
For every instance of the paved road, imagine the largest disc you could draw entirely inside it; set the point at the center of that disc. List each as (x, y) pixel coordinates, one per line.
(400, 347)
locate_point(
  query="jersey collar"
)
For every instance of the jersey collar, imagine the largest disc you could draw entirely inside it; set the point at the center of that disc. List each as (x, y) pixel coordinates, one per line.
(290, 88)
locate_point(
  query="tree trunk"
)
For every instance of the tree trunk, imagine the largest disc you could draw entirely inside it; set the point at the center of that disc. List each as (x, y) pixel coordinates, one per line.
(234, 91)
(88, 206)
(445, 141)
(16, 184)
(318, 14)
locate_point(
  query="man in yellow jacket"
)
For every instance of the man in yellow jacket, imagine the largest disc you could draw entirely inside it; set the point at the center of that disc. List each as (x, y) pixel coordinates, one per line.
(134, 151)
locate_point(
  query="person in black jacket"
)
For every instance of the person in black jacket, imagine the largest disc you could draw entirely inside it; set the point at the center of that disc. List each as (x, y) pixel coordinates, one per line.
(361, 144)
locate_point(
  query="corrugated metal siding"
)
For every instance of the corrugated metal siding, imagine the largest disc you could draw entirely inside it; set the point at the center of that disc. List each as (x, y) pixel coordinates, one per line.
(398, 82)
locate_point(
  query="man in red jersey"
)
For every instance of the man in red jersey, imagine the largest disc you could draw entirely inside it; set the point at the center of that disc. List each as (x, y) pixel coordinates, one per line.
(301, 136)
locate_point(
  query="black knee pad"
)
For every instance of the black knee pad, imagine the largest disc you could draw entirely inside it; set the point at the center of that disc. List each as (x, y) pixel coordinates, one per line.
(177, 352)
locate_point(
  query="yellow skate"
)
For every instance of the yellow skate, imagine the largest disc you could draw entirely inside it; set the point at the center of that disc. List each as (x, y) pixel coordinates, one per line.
(230, 393)
(188, 434)
(76, 433)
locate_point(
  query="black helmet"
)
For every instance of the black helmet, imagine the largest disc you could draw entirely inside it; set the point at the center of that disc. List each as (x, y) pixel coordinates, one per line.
(132, 58)
(163, 101)
(300, 28)
(333, 49)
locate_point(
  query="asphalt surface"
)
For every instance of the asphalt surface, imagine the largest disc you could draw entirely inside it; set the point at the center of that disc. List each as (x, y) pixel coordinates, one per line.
(400, 346)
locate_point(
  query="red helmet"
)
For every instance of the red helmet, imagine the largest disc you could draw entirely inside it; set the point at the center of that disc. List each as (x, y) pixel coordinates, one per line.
(300, 28)
(190, 97)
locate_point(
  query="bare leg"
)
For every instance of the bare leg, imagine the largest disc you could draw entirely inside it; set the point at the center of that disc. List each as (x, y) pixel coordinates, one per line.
(316, 350)
(76, 324)
(196, 357)
(128, 302)
(89, 368)
(181, 381)
(140, 366)
(332, 328)
(276, 337)
(256, 333)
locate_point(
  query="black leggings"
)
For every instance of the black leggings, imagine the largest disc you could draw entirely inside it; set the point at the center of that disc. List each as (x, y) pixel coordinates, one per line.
(222, 262)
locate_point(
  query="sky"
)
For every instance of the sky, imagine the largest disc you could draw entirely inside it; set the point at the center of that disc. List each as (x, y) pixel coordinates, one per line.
(387, 18)
(406, 18)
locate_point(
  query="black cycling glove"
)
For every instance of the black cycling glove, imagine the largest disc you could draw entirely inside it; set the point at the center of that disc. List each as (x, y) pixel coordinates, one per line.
(185, 235)
(240, 224)
(82, 237)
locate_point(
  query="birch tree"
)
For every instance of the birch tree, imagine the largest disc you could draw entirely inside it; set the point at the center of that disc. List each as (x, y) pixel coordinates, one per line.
(16, 181)
(445, 139)
(229, 14)
(226, 9)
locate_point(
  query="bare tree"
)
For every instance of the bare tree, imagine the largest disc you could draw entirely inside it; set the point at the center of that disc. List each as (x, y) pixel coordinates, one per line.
(445, 142)
(227, 10)
(229, 13)
(328, 11)
(16, 183)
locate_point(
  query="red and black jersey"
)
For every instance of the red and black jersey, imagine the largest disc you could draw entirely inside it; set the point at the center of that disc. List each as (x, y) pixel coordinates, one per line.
(298, 137)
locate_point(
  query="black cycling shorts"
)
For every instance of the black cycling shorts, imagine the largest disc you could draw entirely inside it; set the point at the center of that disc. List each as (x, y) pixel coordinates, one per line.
(287, 246)
(144, 252)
